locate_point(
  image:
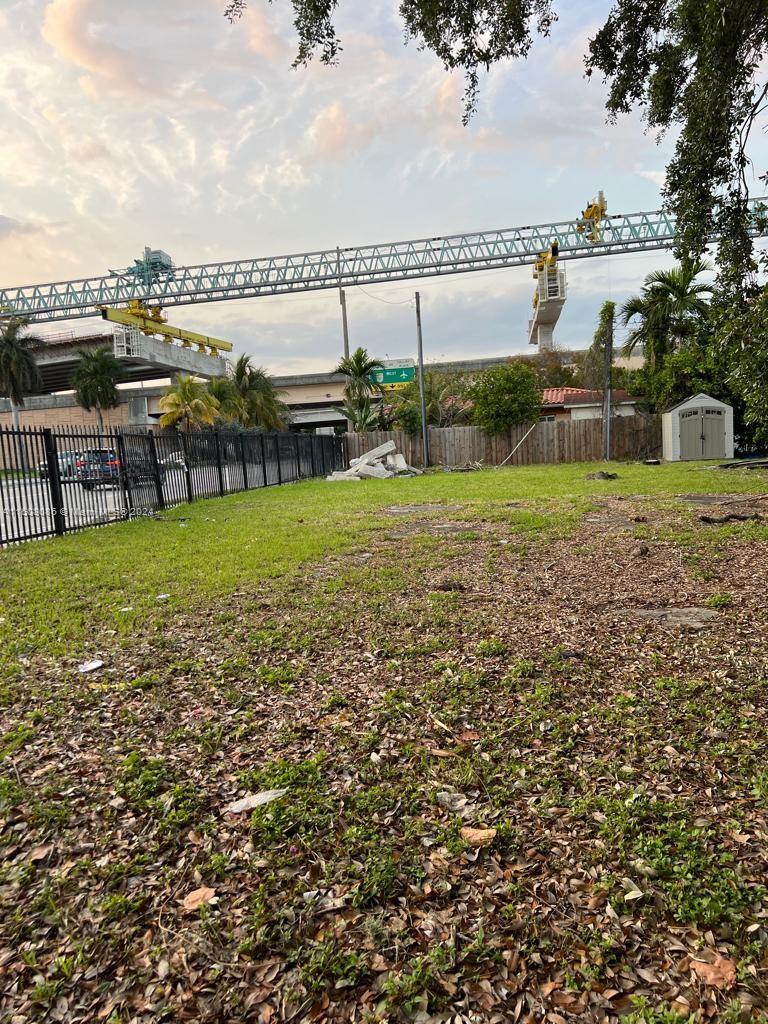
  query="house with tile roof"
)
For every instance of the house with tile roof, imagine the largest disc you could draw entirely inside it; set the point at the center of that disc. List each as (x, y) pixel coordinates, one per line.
(583, 404)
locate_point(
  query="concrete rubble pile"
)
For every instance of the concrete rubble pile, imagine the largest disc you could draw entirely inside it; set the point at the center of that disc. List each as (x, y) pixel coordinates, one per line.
(380, 463)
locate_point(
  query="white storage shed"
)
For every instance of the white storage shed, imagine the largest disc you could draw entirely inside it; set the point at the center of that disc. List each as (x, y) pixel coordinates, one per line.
(698, 428)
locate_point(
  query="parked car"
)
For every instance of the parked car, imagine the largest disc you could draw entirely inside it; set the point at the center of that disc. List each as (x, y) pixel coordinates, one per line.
(97, 466)
(67, 465)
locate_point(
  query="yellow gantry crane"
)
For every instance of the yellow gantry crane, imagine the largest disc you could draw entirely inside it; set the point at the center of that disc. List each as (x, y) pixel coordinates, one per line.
(150, 320)
(590, 222)
(549, 297)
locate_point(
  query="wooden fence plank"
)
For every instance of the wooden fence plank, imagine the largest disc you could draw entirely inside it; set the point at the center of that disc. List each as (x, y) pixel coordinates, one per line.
(633, 437)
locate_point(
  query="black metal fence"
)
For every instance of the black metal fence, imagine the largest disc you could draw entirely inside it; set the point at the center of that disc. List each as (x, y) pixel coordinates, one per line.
(55, 481)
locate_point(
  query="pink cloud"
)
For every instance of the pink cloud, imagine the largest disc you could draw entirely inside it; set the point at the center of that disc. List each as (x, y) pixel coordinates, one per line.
(333, 135)
(66, 28)
(262, 39)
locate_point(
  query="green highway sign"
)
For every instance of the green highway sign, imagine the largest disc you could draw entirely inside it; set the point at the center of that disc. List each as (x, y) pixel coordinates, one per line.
(394, 373)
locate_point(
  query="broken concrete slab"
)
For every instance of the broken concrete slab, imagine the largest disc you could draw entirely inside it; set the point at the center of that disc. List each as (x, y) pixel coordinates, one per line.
(337, 477)
(397, 462)
(375, 472)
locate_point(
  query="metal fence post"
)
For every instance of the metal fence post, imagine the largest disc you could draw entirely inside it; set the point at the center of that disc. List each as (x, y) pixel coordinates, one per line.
(244, 462)
(279, 463)
(222, 492)
(312, 438)
(263, 459)
(54, 482)
(122, 476)
(156, 470)
(187, 467)
(298, 457)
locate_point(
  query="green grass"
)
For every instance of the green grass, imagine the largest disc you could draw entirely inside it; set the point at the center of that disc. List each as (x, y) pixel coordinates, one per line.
(55, 593)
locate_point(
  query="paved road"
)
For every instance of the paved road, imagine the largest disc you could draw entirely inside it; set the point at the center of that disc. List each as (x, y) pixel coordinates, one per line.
(26, 511)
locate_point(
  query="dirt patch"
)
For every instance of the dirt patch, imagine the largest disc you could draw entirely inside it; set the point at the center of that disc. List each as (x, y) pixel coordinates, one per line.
(435, 529)
(682, 618)
(409, 510)
(710, 499)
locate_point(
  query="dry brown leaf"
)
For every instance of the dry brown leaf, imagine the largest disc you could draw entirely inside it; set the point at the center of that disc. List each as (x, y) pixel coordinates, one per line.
(40, 852)
(721, 973)
(478, 836)
(198, 896)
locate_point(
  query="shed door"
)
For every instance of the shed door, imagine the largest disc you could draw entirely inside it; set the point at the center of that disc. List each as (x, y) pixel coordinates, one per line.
(702, 433)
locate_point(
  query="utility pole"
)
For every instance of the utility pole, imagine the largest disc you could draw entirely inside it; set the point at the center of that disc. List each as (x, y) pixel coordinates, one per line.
(607, 397)
(424, 427)
(343, 303)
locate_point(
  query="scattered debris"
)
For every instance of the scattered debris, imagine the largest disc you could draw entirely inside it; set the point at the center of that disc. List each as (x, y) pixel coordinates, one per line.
(601, 474)
(90, 666)
(163, 597)
(254, 800)
(380, 463)
(652, 462)
(641, 551)
(732, 517)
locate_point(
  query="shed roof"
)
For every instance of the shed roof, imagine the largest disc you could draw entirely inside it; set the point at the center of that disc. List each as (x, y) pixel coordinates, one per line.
(701, 397)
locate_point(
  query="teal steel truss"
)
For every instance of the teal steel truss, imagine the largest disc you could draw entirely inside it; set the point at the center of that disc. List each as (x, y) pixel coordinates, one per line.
(158, 281)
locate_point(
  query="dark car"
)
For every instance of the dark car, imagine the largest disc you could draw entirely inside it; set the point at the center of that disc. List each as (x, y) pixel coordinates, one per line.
(97, 466)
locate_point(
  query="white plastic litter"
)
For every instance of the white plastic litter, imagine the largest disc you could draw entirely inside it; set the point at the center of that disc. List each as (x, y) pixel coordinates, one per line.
(254, 800)
(90, 666)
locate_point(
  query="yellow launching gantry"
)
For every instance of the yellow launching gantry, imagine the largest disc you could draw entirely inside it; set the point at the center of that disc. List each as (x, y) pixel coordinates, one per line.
(150, 320)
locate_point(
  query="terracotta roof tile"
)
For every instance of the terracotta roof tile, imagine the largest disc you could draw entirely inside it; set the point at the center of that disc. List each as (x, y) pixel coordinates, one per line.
(579, 396)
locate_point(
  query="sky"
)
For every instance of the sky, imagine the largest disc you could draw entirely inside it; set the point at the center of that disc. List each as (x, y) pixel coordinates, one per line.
(160, 124)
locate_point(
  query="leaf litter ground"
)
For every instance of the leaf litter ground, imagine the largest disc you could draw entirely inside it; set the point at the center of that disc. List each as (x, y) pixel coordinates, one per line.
(507, 795)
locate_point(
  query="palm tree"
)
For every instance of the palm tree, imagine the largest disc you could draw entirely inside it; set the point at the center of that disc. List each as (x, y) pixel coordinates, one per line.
(256, 401)
(359, 369)
(668, 307)
(361, 416)
(188, 402)
(94, 381)
(19, 374)
(223, 390)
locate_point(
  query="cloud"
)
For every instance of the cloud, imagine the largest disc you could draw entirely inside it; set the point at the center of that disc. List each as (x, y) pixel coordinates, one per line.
(333, 135)
(657, 177)
(262, 39)
(67, 28)
(10, 226)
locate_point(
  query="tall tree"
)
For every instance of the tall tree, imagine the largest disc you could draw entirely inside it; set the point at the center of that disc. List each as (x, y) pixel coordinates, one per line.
(95, 382)
(594, 360)
(19, 374)
(693, 66)
(188, 403)
(257, 402)
(505, 396)
(359, 369)
(466, 35)
(667, 311)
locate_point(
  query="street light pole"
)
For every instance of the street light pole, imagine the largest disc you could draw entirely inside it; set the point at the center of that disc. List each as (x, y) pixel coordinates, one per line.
(424, 427)
(343, 303)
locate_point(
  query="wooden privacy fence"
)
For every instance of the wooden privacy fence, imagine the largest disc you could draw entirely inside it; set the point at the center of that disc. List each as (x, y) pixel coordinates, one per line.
(634, 437)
